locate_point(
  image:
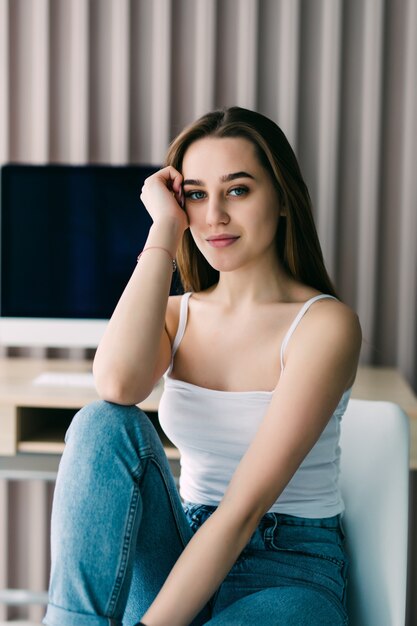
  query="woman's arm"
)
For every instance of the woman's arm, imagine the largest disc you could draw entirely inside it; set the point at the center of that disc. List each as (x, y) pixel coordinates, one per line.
(321, 363)
(135, 349)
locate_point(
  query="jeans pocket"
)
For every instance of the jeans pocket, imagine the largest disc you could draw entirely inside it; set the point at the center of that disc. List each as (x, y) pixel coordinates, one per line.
(310, 539)
(309, 551)
(197, 514)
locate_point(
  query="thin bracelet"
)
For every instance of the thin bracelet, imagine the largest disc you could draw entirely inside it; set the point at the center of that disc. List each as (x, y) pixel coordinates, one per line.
(174, 263)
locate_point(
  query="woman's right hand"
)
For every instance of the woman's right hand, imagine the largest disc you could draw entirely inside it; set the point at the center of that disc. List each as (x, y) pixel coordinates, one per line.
(163, 196)
(135, 349)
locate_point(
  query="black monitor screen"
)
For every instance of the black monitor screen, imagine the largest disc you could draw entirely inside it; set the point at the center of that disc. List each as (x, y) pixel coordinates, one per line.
(70, 236)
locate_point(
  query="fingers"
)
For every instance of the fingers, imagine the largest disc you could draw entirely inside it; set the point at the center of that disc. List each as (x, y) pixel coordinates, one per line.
(163, 197)
(171, 179)
(175, 178)
(179, 196)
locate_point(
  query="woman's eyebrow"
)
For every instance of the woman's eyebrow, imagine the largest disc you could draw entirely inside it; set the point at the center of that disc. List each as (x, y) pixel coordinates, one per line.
(229, 177)
(193, 181)
(224, 179)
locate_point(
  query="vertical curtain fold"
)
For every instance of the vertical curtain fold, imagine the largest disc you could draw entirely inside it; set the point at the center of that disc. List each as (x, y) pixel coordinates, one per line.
(205, 57)
(328, 124)
(407, 273)
(78, 81)
(369, 165)
(159, 77)
(4, 80)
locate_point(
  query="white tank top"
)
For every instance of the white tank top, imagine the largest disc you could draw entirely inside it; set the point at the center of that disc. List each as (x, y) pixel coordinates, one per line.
(213, 429)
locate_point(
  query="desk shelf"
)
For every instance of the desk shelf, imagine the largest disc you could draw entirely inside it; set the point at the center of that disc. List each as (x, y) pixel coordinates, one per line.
(41, 430)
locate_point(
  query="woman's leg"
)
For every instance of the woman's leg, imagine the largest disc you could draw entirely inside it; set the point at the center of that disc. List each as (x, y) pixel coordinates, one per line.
(282, 606)
(118, 524)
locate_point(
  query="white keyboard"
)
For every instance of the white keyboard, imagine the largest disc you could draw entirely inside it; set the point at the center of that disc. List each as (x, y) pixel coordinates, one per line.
(65, 379)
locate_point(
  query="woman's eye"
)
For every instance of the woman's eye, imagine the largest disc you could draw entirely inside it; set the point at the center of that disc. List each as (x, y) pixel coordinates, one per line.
(238, 191)
(195, 195)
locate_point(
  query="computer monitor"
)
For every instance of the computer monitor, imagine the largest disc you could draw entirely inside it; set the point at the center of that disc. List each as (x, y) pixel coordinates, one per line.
(70, 237)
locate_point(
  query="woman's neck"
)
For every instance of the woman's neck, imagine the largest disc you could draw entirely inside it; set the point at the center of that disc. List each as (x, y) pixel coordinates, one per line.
(245, 287)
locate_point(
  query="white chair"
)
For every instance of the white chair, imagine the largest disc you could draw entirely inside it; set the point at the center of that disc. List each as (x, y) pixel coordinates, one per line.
(374, 483)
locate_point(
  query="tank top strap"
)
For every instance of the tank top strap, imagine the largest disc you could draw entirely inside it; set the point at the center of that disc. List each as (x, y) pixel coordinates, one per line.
(182, 323)
(298, 319)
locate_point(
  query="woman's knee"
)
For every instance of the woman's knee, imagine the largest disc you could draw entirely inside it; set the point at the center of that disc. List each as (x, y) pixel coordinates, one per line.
(104, 421)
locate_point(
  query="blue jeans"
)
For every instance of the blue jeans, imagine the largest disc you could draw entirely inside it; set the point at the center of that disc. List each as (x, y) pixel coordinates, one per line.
(119, 525)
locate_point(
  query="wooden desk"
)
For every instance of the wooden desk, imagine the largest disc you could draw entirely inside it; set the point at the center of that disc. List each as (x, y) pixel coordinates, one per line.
(33, 418)
(385, 383)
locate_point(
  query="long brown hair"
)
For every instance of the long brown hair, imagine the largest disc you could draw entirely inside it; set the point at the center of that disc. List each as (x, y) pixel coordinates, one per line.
(297, 242)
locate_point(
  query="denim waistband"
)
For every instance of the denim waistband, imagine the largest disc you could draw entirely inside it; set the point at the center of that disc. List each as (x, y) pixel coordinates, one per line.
(200, 512)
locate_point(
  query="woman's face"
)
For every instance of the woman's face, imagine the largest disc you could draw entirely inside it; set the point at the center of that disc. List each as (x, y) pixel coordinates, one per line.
(231, 202)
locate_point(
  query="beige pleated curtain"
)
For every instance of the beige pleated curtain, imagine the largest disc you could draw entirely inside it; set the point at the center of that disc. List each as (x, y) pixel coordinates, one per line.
(112, 81)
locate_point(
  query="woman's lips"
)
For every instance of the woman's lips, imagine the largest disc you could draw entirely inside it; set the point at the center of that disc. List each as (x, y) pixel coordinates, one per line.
(222, 241)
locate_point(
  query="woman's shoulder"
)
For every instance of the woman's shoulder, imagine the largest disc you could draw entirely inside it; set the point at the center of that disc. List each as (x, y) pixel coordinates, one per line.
(330, 332)
(333, 308)
(330, 321)
(321, 304)
(332, 313)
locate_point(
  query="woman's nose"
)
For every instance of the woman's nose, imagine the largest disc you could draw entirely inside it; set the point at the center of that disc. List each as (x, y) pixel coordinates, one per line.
(216, 212)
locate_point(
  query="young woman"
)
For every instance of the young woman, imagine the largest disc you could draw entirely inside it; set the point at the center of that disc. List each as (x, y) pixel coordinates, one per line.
(259, 358)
